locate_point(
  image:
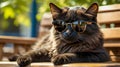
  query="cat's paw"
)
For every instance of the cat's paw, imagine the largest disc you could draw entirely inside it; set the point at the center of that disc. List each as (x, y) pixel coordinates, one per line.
(61, 59)
(13, 57)
(24, 60)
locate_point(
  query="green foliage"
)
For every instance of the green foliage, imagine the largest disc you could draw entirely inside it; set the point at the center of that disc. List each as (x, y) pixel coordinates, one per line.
(19, 9)
(44, 5)
(15, 9)
(8, 12)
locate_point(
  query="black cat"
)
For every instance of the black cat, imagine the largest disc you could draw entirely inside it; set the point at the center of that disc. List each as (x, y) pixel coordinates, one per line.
(74, 37)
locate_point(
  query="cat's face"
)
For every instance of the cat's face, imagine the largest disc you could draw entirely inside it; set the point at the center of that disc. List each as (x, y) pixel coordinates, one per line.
(75, 22)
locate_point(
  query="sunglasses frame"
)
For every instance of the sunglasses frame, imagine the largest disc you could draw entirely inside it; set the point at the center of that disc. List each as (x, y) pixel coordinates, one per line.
(75, 23)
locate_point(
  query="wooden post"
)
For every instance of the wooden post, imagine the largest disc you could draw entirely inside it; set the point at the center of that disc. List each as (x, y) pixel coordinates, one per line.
(1, 51)
(27, 47)
(107, 25)
(16, 48)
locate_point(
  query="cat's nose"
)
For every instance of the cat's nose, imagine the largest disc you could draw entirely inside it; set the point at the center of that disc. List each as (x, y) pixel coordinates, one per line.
(69, 33)
(69, 30)
(70, 36)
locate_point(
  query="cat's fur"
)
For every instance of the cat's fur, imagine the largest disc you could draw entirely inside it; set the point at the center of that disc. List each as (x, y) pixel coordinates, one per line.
(71, 48)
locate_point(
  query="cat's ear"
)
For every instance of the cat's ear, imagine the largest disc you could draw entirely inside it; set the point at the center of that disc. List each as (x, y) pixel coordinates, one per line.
(93, 9)
(55, 10)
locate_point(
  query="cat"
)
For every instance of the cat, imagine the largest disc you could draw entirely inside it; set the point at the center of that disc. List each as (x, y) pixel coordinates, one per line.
(74, 37)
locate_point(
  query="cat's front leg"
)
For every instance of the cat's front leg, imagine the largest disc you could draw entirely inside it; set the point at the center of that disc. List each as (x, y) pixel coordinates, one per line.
(64, 58)
(33, 56)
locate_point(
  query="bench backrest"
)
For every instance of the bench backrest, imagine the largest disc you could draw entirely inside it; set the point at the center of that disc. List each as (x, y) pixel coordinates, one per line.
(109, 20)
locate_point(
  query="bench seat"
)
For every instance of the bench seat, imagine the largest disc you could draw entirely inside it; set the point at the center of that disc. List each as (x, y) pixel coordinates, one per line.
(48, 64)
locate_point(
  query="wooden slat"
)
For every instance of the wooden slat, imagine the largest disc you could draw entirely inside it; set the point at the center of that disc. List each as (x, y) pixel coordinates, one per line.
(44, 64)
(14, 64)
(20, 40)
(109, 17)
(111, 44)
(93, 65)
(108, 64)
(111, 33)
(8, 64)
(109, 14)
(109, 8)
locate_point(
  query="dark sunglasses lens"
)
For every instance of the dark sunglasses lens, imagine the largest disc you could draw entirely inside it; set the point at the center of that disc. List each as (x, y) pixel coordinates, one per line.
(58, 23)
(75, 27)
(79, 27)
(83, 24)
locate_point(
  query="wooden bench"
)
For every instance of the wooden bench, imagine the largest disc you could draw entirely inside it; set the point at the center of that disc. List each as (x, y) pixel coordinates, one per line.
(109, 20)
(17, 42)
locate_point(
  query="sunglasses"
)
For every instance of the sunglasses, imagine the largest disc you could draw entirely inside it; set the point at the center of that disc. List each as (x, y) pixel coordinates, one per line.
(79, 26)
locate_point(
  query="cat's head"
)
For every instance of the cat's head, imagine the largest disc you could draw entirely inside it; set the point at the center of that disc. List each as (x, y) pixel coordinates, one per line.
(72, 23)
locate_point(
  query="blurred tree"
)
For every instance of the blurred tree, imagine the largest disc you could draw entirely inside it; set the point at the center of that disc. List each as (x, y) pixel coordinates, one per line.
(15, 9)
(44, 5)
(19, 10)
(12, 14)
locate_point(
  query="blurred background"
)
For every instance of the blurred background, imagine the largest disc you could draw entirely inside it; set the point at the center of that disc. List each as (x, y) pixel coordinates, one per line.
(23, 17)
(27, 18)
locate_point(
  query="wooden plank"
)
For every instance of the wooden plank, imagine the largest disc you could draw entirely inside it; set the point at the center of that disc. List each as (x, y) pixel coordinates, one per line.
(14, 64)
(109, 8)
(109, 17)
(111, 33)
(8, 64)
(111, 45)
(45, 64)
(93, 65)
(20, 40)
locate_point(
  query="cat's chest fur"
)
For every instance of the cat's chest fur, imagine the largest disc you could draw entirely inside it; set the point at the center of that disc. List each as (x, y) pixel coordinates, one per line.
(85, 44)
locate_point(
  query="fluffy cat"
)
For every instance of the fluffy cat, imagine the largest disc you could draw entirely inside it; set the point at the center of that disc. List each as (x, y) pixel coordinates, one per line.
(74, 37)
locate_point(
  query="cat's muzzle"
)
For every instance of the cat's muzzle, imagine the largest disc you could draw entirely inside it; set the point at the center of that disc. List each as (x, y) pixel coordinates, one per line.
(69, 35)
